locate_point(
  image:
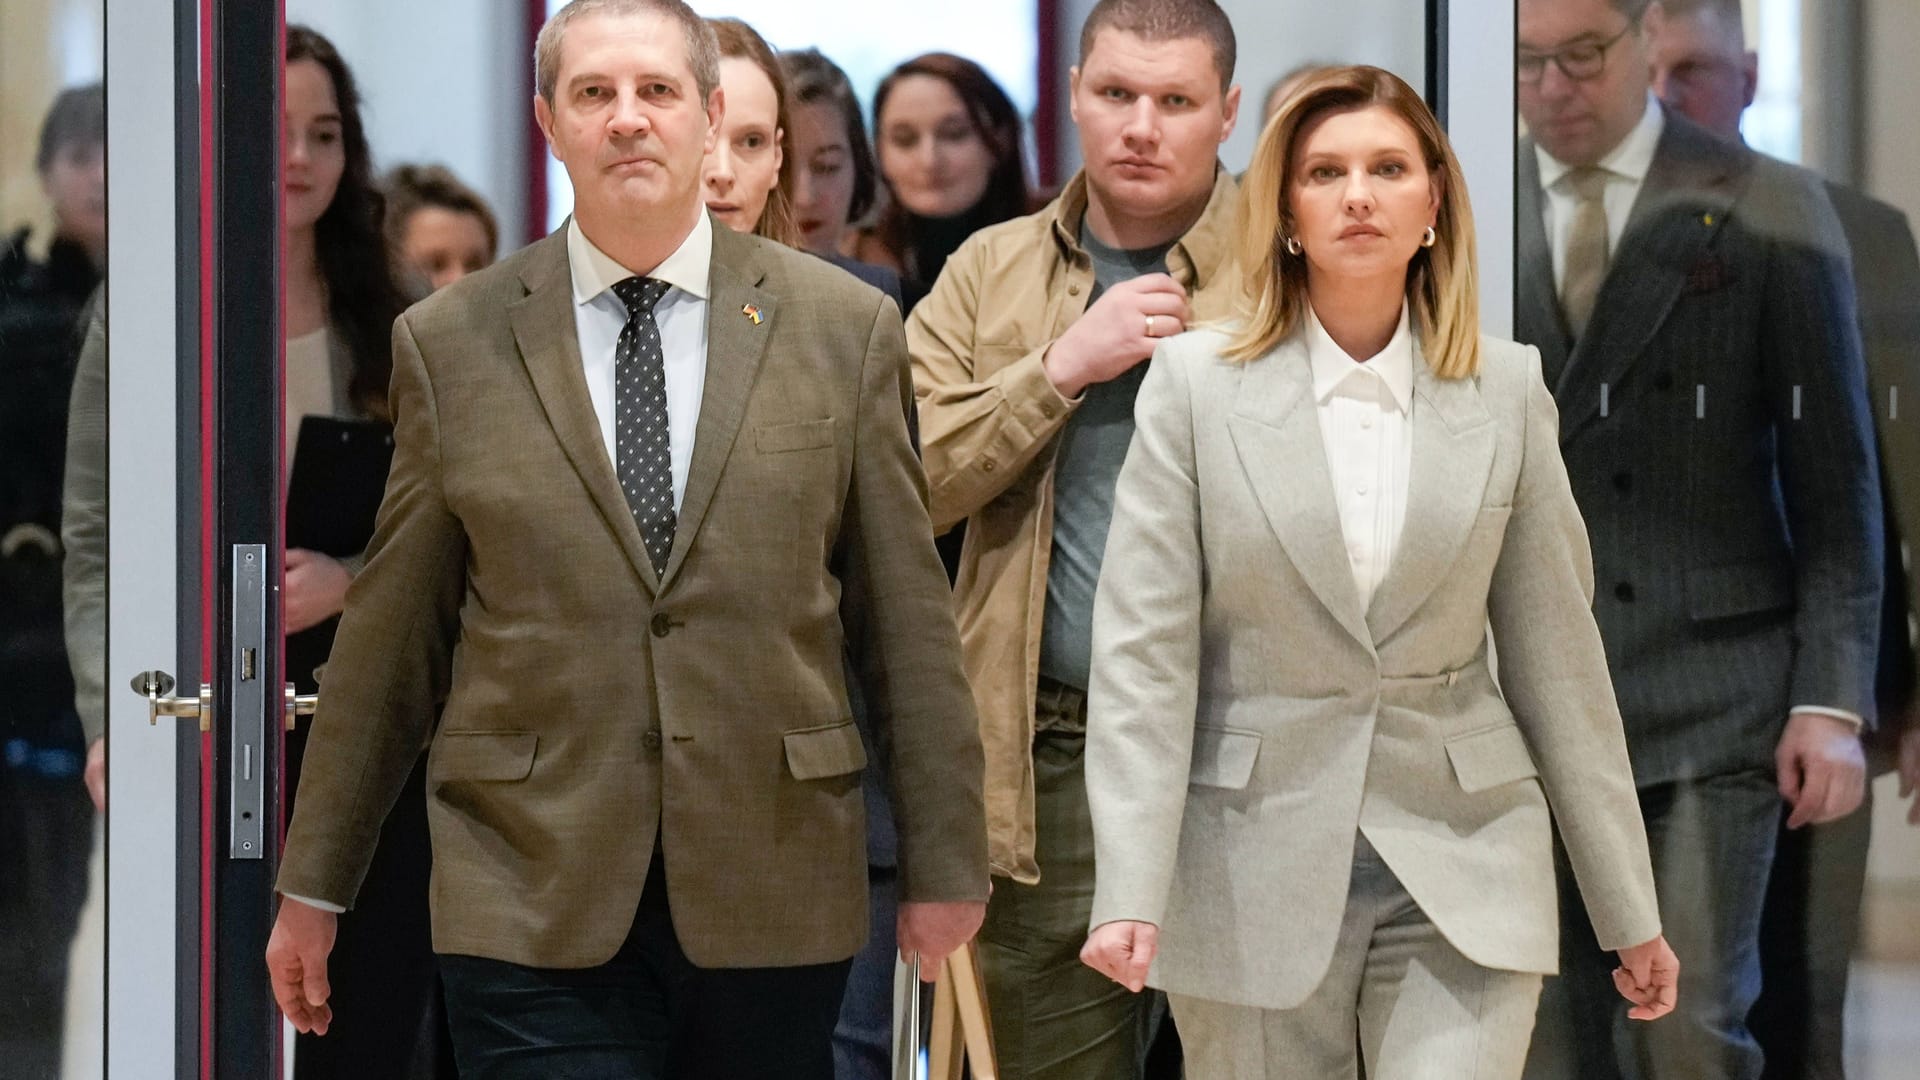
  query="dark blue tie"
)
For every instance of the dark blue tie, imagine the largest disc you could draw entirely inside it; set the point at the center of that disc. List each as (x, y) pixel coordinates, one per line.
(643, 454)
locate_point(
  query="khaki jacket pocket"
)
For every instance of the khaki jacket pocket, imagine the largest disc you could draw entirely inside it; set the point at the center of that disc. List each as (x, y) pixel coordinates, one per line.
(784, 438)
(482, 755)
(1223, 757)
(818, 752)
(1489, 758)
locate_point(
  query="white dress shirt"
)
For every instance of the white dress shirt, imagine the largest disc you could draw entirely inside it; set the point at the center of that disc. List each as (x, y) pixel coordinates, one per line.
(599, 316)
(1366, 427)
(1626, 165)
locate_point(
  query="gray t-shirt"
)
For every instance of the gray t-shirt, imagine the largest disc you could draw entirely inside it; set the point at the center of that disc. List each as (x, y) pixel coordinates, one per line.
(1092, 447)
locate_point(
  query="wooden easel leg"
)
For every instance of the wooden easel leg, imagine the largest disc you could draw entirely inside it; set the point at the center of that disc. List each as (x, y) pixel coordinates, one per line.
(945, 1050)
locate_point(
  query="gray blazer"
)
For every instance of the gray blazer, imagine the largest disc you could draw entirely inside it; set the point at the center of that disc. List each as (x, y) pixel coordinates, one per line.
(1246, 715)
(1715, 427)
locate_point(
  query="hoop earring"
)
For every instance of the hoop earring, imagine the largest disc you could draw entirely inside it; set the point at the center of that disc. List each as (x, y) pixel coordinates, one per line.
(1294, 247)
(1430, 239)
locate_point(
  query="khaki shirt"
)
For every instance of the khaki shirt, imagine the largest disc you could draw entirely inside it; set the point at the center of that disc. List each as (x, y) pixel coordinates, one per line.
(988, 421)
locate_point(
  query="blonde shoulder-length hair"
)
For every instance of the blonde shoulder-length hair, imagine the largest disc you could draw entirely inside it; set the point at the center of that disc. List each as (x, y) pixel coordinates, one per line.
(1442, 280)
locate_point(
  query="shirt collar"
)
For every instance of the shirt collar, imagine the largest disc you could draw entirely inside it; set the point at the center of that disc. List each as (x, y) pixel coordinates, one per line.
(1332, 366)
(1630, 160)
(594, 271)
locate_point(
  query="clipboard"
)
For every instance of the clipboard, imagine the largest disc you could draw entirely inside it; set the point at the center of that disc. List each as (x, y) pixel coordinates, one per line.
(338, 479)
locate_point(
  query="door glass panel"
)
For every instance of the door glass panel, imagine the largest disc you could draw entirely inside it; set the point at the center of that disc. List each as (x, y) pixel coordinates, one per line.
(52, 255)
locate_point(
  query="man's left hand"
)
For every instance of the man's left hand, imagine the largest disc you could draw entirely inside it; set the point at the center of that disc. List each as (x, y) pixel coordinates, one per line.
(935, 930)
(1822, 769)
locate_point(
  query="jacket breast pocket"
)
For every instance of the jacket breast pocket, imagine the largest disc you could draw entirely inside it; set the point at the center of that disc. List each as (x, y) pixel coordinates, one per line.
(482, 755)
(816, 753)
(1223, 757)
(787, 438)
(1489, 758)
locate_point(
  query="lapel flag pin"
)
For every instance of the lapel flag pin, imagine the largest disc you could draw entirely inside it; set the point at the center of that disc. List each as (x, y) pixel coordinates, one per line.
(751, 312)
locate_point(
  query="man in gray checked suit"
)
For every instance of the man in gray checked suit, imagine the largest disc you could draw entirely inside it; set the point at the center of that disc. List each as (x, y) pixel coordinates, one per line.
(1694, 310)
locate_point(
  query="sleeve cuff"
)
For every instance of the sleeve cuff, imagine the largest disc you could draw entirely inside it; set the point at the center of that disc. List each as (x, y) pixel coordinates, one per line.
(1859, 722)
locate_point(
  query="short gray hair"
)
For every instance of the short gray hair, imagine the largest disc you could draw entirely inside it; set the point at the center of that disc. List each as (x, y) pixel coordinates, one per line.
(703, 52)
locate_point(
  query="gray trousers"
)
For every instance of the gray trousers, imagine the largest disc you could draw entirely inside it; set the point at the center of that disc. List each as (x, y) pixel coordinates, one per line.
(1397, 999)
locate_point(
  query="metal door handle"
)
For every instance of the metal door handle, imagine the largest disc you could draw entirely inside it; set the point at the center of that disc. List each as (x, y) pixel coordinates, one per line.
(300, 705)
(157, 688)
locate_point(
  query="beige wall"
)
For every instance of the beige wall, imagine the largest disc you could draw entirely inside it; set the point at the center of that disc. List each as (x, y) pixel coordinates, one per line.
(45, 45)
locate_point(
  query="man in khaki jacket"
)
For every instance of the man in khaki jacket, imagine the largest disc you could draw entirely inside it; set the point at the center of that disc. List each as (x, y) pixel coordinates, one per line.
(1027, 356)
(652, 482)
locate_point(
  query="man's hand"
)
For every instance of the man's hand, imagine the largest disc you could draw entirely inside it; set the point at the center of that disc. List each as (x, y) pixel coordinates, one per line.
(1114, 334)
(1648, 976)
(297, 964)
(96, 773)
(1910, 770)
(934, 930)
(1122, 951)
(1822, 769)
(316, 588)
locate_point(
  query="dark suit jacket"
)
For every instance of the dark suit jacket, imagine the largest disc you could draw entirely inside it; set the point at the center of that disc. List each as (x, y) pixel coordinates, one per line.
(1715, 424)
(1886, 271)
(591, 705)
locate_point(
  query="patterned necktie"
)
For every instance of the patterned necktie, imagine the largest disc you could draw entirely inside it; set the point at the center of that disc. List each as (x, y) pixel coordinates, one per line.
(1588, 248)
(643, 454)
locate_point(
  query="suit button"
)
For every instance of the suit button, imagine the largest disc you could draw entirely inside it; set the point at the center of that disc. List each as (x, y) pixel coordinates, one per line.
(1623, 481)
(1048, 409)
(1624, 592)
(662, 625)
(651, 738)
(1663, 381)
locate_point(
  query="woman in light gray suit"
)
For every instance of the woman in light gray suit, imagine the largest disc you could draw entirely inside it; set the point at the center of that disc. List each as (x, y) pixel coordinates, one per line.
(1321, 825)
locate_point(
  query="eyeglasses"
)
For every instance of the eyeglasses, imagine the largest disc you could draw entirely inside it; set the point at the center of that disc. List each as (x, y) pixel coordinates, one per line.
(1578, 63)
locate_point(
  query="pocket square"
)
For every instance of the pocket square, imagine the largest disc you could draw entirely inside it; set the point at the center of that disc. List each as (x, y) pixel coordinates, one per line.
(1709, 273)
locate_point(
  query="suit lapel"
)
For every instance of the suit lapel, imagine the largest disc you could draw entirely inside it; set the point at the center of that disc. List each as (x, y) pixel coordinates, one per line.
(735, 344)
(1538, 315)
(1276, 433)
(1453, 444)
(1683, 204)
(544, 328)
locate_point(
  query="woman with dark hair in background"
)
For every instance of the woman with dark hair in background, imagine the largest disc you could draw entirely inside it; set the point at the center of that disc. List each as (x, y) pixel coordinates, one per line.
(949, 146)
(342, 296)
(441, 228)
(748, 176)
(835, 181)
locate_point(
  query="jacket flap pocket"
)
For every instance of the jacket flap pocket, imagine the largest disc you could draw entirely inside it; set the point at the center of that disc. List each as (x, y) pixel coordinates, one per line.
(1748, 588)
(782, 438)
(482, 755)
(833, 750)
(1223, 757)
(1490, 758)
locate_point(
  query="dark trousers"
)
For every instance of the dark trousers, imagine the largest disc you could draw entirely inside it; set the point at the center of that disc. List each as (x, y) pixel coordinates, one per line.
(863, 1036)
(1712, 841)
(388, 1019)
(1055, 1018)
(1807, 937)
(647, 1014)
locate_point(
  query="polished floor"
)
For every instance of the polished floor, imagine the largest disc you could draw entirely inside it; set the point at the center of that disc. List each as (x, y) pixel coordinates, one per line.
(1883, 1022)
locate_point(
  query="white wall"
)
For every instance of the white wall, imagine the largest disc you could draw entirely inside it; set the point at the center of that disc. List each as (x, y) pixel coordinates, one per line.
(447, 81)
(1273, 37)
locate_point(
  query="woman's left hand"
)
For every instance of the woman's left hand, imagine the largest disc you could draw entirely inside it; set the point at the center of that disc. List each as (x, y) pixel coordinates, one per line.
(1122, 951)
(316, 588)
(1649, 976)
